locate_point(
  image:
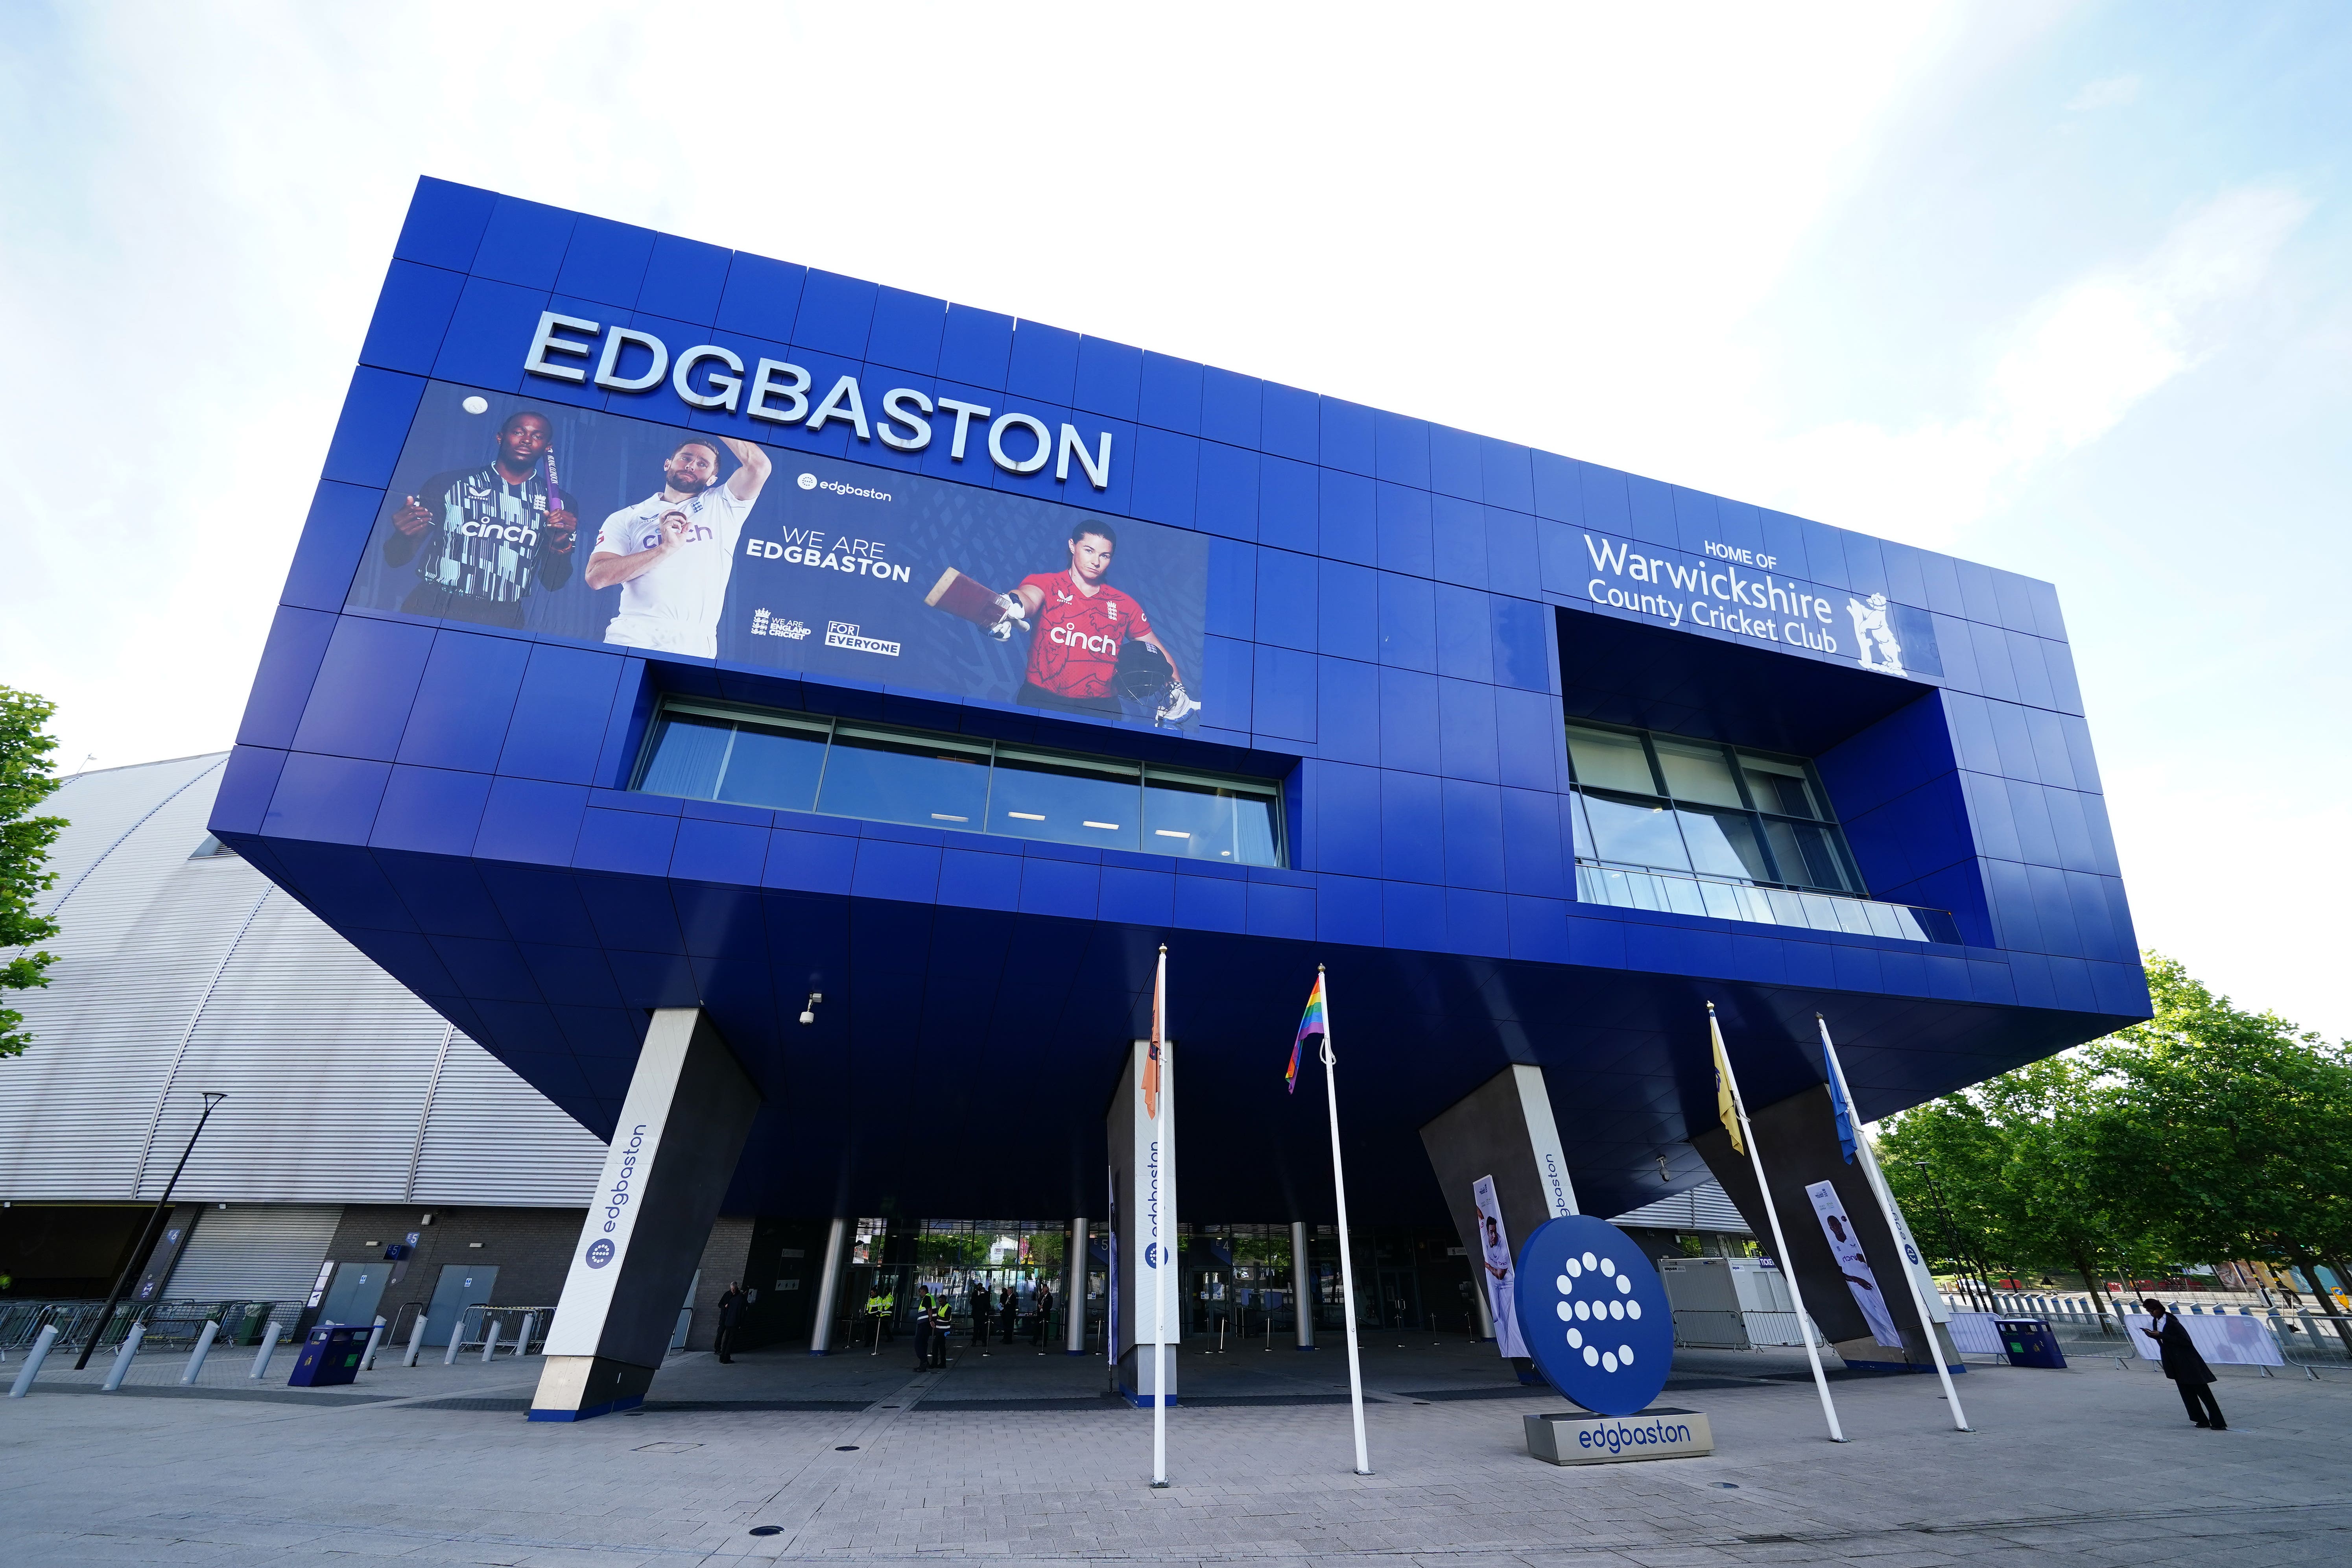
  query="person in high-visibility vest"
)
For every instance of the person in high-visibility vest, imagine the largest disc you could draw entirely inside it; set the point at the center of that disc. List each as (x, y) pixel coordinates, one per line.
(882, 1305)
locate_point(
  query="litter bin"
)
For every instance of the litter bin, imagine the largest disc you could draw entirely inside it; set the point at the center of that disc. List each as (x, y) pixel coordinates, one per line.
(2028, 1342)
(329, 1356)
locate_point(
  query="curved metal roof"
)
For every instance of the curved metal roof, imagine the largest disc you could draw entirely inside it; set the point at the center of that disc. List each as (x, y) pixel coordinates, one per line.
(178, 972)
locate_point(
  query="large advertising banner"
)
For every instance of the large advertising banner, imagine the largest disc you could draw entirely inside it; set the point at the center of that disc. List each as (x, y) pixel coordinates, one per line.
(1502, 1287)
(536, 516)
(1853, 1264)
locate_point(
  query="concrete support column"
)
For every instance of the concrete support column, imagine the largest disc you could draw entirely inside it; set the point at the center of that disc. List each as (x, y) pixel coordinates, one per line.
(1302, 1284)
(828, 1287)
(681, 1131)
(1499, 1147)
(1798, 1137)
(1503, 1129)
(1074, 1293)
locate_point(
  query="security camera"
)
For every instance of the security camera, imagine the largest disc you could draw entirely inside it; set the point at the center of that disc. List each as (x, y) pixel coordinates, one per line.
(808, 1013)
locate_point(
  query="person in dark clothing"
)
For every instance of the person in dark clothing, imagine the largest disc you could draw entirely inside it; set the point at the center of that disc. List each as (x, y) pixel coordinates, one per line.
(1008, 1306)
(1041, 1313)
(923, 1331)
(485, 539)
(730, 1317)
(2185, 1366)
(980, 1313)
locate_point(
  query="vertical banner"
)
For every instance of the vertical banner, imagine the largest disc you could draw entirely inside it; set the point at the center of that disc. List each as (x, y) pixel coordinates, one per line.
(1853, 1264)
(1495, 1271)
(1144, 1249)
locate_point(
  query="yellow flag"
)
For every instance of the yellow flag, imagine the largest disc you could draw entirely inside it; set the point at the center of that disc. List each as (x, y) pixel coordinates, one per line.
(1724, 1108)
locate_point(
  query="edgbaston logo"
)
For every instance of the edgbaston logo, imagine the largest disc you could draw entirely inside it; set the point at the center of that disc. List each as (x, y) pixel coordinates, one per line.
(1151, 1255)
(600, 1253)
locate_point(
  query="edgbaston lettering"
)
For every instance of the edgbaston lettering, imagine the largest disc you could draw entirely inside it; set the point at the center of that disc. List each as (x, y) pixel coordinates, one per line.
(778, 394)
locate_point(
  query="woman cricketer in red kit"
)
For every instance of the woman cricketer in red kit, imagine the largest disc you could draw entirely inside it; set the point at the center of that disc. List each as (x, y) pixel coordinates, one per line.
(1078, 624)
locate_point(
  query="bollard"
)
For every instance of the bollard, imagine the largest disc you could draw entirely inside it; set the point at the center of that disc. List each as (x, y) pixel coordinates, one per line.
(122, 1357)
(269, 1337)
(196, 1357)
(374, 1341)
(530, 1327)
(40, 1352)
(490, 1340)
(415, 1341)
(456, 1337)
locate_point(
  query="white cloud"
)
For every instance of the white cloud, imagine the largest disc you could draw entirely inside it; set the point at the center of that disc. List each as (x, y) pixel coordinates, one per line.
(2069, 370)
(2107, 93)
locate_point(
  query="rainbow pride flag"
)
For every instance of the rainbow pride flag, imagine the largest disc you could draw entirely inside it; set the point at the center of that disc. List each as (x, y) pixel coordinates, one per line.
(1311, 1026)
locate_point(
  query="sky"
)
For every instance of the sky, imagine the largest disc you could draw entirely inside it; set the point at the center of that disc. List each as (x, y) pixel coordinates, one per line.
(2066, 288)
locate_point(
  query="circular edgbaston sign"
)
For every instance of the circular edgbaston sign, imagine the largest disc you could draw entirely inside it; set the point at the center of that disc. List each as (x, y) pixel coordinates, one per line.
(1594, 1315)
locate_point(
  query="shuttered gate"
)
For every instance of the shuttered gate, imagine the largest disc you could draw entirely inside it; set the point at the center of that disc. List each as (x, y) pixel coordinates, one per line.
(255, 1252)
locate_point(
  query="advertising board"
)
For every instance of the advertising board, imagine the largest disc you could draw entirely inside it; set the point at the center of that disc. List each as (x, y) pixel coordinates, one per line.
(509, 511)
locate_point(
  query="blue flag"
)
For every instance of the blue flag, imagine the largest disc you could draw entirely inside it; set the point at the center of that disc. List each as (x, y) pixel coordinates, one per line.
(1838, 1105)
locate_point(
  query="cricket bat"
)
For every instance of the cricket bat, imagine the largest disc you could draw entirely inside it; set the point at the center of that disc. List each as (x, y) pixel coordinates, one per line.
(961, 595)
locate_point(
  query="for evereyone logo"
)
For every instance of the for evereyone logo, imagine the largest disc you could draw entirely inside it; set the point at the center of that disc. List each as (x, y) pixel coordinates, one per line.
(600, 1253)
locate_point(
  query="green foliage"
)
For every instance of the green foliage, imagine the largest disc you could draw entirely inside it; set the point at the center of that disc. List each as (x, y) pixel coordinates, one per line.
(2207, 1134)
(24, 839)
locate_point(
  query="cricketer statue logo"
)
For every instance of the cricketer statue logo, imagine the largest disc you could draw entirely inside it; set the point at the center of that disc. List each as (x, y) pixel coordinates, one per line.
(1880, 652)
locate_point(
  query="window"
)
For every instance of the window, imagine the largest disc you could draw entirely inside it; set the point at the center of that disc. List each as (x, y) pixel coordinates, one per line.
(883, 773)
(1664, 803)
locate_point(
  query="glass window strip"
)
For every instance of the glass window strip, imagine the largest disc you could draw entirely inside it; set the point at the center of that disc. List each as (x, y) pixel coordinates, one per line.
(1255, 839)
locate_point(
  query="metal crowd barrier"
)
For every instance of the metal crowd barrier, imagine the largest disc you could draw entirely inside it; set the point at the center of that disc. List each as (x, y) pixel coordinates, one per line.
(2307, 1339)
(163, 1323)
(500, 1330)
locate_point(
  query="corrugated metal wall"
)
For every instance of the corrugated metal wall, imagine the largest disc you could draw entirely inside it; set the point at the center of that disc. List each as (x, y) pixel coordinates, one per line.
(177, 975)
(1705, 1207)
(261, 1252)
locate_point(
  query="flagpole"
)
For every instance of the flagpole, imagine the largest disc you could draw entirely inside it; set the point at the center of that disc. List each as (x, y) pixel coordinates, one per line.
(1886, 1212)
(1160, 1280)
(1772, 1214)
(1347, 1268)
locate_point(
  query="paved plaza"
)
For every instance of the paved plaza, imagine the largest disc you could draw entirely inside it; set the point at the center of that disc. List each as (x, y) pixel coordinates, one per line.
(1018, 1457)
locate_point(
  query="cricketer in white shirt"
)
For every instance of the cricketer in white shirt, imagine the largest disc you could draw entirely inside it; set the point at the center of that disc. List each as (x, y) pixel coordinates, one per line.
(672, 552)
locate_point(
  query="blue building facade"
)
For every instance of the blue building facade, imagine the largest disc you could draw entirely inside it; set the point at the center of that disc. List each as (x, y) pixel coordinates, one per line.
(1392, 627)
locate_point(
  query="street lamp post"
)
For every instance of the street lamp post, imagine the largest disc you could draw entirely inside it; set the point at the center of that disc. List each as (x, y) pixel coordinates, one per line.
(1951, 1238)
(154, 1226)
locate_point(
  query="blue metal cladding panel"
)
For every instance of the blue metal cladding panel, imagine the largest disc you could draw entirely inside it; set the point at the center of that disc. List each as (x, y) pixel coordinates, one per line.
(1397, 615)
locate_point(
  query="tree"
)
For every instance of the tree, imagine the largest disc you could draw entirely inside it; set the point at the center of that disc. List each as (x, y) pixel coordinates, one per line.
(24, 839)
(2207, 1134)
(2228, 1132)
(2010, 1160)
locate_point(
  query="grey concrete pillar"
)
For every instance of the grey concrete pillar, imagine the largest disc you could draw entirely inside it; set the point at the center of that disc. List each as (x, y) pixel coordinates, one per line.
(1074, 1293)
(1797, 1138)
(828, 1288)
(1502, 1133)
(682, 1126)
(1503, 1129)
(1302, 1284)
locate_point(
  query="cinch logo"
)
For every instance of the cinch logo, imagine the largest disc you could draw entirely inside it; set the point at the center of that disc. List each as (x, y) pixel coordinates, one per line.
(1069, 639)
(512, 533)
(600, 1253)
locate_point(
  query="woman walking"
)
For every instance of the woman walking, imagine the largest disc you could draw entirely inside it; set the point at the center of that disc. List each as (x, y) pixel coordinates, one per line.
(2185, 1366)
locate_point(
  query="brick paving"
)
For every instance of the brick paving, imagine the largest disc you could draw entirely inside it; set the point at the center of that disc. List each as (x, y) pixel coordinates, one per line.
(1017, 1459)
